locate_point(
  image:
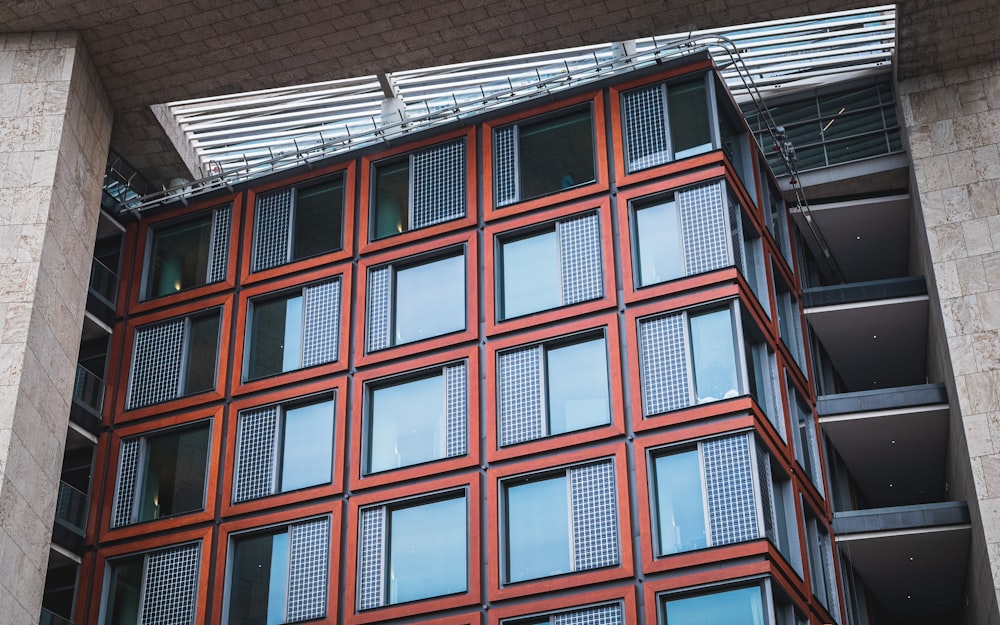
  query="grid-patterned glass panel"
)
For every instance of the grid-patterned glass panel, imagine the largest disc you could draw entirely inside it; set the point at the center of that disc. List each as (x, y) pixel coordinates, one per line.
(370, 560)
(595, 514)
(732, 512)
(156, 364)
(128, 472)
(271, 229)
(580, 256)
(379, 307)
(703, 223)
(766, 496)
(219, 259)
(664, 364)
(255, 454)
(505, 165)
(321, 335)
(646, 143)
(170, 587)
(439, 184)
(599, 615)
(520, 392)
(456, 419)
(307, 571)
(739, 249)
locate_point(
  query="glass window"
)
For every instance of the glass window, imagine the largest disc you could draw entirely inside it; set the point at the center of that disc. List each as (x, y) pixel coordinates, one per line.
(418, 190)
(416, 419)
(538, 157)
(559, 522)
(299, 222)
(539, 541)
(742, 606)
(666, 122)
(284, 447)
(713, 356)
(279, 576)
(680, 509)
(669, 343)
(188, 254)
(161, 585)
(606, 614)
(416, 301)
(173, 359)
(161, 474)
(763, 380)
(659, 246)
(428, 550)
(705, 495)
(804, 436)
(789, 321)
(819, 553)
(552, 388)
(295, 330)
(556, 265)
(410, 551)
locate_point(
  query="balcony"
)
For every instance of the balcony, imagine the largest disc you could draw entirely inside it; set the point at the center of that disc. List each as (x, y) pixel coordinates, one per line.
(70, 525)
(88, 400)
(102, 292)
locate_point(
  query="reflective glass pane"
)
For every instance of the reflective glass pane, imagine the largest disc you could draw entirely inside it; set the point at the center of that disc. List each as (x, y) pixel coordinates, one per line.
(732, 607)
(680, 509)
(317, 225)
(173, 477)
(178, 257)
(124, 590)
(258, 580)
(307, 449)
(392, 199)
(530, 274)
(556, 153)
(659, 250)
(538, 534)
(406, 424)
(202, 353)
(687, 107)
(275, 337)
(428, 550)
(430, 299)
(578, 386)
(714, 356)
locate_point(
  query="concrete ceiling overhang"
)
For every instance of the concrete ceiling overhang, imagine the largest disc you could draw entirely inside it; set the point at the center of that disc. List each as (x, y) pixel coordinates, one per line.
(153, 51)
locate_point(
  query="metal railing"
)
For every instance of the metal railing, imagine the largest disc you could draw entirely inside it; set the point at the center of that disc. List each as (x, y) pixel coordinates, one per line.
(247, 135)
(103, 283)
(72, 506)
(88, 391)
(48, 618)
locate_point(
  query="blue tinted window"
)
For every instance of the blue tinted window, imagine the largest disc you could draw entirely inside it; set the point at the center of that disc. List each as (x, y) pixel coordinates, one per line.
(308, 446)
(732, 607)
(407, 423)
(714, 356)
(680, 511)
(660, 254)
(577, 386)
(430, 299)
(538, 535)
(428, 550)
(531, 275)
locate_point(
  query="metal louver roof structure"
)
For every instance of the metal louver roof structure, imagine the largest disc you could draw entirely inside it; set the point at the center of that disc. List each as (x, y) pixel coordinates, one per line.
(243, 136)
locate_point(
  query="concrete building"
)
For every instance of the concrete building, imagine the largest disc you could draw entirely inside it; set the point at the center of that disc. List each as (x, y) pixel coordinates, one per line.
(67, 69)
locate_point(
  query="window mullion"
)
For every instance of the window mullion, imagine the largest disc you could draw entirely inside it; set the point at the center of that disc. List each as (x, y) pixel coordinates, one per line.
(706, 507)
(568, 477)
(290, 238)
(277, 453)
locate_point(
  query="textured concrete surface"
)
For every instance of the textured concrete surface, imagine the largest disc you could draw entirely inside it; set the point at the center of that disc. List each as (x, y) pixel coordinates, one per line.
(152, 51)
(953, 130)
(55, 123)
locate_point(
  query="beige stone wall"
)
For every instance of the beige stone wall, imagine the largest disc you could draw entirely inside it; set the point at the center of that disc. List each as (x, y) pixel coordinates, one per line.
(55, 124)
(953, 131)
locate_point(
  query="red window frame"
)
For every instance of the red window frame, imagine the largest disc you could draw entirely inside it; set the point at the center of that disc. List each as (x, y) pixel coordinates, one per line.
(349, 171)
(225, 304)
(498, 589)
(609, 323)
(496, 231)
(139, 235)
(368, 164)
(465, 240)
(360, 412)
(281, 396)
(596, 100)
(470, 483)
(262, 290)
